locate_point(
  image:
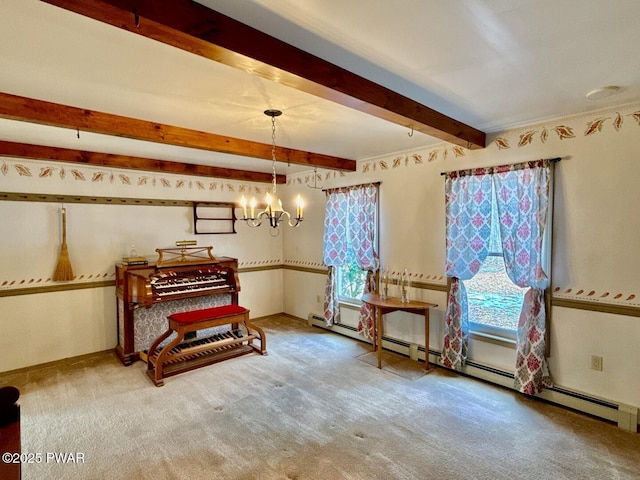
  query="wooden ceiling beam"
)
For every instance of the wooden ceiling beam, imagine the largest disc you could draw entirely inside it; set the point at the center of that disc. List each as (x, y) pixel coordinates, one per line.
(190, 26)
(68, 155)
(25, 109)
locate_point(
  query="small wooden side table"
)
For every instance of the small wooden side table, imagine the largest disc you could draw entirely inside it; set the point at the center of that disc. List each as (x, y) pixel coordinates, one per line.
(392, 304)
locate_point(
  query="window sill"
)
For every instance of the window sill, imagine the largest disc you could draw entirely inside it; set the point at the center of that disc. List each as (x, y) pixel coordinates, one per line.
(350, 304)
(496, 340)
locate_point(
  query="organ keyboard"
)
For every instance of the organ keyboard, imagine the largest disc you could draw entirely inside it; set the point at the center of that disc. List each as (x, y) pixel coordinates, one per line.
(149, 287)
(147, 294)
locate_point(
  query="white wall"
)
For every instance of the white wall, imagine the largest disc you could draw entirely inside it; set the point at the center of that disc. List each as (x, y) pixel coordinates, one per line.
(596, 233)
(43, 327)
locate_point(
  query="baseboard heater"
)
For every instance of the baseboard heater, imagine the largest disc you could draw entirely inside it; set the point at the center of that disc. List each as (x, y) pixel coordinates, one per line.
(625, 416)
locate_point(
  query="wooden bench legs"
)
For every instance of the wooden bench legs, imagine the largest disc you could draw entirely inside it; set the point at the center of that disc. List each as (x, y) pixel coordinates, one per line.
(179, 355)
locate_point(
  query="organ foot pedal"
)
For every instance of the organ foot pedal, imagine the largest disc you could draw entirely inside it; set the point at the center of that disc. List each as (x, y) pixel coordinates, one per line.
(179, 355)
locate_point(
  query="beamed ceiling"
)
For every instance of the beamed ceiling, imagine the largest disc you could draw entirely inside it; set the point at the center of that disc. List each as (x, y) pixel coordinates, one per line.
(180, 86)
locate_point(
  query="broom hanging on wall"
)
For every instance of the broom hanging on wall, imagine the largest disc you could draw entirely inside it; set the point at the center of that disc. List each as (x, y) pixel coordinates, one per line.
(63, 271)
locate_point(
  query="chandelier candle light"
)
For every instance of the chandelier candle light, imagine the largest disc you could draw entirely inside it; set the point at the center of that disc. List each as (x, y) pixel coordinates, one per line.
(273, 211)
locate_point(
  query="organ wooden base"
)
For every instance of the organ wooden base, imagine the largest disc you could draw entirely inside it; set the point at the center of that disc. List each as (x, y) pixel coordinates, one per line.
(180, 356)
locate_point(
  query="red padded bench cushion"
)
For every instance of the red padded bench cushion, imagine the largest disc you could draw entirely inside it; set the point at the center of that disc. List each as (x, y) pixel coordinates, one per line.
(207, 313)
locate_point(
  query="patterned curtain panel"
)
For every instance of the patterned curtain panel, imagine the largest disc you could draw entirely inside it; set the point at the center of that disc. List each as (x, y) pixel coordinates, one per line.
(522, 196)
(532, 372)
(456, 327)
(350, 225)
(468, 215)
(334, 248)
(363, 214)
(331, 306)
(365, 321)
(335, 228)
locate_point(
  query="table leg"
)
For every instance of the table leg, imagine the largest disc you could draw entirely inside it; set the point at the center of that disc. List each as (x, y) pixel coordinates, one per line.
(426, 339)
(379, 332)
(374, 340)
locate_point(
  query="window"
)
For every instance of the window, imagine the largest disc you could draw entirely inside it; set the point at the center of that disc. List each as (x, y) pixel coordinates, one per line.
(351, 280)
(350, 245)
(520, 196)
(494, 302)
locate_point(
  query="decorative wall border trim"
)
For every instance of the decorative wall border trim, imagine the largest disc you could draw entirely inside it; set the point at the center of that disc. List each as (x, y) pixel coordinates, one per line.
(598, 121)
(24, 287)
(87, 174)
(12, 292)
(319, 271)
(61, 287)
(259, 269)
(602, 307)
(594, 296)
(568, 128)
(430, 286)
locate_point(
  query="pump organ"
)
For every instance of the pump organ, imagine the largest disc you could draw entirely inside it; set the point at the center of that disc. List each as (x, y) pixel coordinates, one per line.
(148, 294)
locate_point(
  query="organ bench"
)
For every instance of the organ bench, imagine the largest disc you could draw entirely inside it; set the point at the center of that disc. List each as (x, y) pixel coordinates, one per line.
(180, 355)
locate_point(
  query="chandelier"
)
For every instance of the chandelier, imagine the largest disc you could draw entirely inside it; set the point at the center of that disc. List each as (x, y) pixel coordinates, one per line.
(273, 211)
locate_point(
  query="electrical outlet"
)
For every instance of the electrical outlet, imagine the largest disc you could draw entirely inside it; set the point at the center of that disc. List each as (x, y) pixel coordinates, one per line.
(596, 363)
(318, 300)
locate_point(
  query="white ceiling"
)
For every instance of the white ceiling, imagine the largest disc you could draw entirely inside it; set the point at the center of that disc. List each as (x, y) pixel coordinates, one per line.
(491, 64)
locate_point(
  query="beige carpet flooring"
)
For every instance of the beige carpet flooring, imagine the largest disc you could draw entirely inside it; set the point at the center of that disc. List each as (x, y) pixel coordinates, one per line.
(314, 408)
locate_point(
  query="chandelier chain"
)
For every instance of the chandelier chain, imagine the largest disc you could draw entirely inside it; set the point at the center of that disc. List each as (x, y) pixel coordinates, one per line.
(273, 152)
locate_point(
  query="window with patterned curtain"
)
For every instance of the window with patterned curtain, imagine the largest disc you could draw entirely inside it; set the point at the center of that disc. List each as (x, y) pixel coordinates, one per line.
(498, 260)
(493, 300)
(350, 249)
